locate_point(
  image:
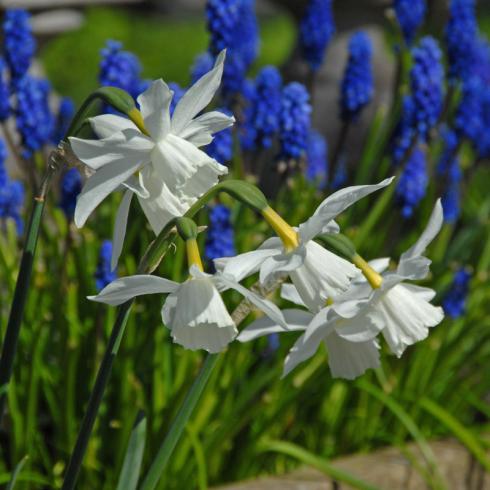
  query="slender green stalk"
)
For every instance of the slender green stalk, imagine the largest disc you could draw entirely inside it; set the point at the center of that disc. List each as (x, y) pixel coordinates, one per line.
(177, 428)
(9, 347)
(339, 147)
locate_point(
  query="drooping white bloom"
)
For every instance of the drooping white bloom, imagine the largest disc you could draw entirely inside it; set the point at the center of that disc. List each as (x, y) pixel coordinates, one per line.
(164, 168)
(350, 342)
(404, 308)
(317, 273)
(194, 310)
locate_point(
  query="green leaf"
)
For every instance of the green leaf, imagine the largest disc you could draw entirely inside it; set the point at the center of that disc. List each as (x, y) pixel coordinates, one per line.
(128, 478)
(319, 463)
(246, 193)
(339, 244)
(16, 472)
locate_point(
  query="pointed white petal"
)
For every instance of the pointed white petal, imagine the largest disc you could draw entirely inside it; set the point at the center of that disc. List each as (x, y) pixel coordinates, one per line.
(99, 186)
(137, 185)
(427, 294)
(106, 125)
(282, 263)
(197, 97)
(364, 326)
(297, 320)
(244, 265)
(206, 176)
(120, 228)
(334, 205)
(200, 131)
(154, 104)
(290, 293)
(350, 360)
(125, 288)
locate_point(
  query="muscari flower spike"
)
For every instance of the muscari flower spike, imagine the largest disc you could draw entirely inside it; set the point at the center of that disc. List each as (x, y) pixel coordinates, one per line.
(357, 87)
(247, 130)
(34, 119)
(410, 15)
(221, 148)
(427, 85)
(66, 111)
(70, 187)
(315, 31)
(460, 35)
(246, 39)
(468, 121)
(413, 182)
(19, 43)
(104, 273)
(11, 194)
(220, 239)
(294, 123)
(4, 92)
(454, 302)
(317, 159)
(404, 132)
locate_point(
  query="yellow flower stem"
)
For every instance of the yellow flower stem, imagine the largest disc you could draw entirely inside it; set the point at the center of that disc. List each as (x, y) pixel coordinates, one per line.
(285, 232)
(193, 255)
(374, 279)
(137, 118)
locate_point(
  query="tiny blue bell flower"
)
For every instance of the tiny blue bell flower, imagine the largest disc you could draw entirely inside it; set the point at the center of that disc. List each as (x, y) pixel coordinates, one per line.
(317, 159)
(70, 187)
(410, 15)
(220, 240)
(103, 274)
(454, 303)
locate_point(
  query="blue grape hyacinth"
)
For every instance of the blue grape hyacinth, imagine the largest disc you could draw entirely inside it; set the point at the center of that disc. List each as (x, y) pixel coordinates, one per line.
(317, 159)
(35, 122)
(427, 84)
(70, 187)
(222, 18)
(410, 15)
(221, 148)
(4, 92)
(18, 42)
(460, 35)
(294, 124)
(246, 40)
(11, 194)
(315, 31)
(66, 111)
(468, 120)
(357, 86)
(119, 68)
(404, 131)
(413, 182)
(103, 274)
(220, 240)
(454, 303)
(247, 130)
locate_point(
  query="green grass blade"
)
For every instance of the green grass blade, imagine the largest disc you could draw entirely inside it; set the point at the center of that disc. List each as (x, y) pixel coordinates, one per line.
(16, 472)
(128, 478)
(312, 460)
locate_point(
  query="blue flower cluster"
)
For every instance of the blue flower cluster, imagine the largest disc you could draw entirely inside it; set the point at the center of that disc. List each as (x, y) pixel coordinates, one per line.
(4, 92)
(449, 170)
(404, 132)
(427, 84)
(294, 124)
(317, 159)
(454, 303)
(103, 274)
(11, 194)
(357, 85)
(220, 239)
(315, 31)
(468, 121)
(460, 35)
(35, 122)
(246, 126)
(121, 69)
(340, 176)
(19, 44)
(222, 17)
(410, 15)
(221, 148)
(413, 182)
(66, 111)
(70, 187)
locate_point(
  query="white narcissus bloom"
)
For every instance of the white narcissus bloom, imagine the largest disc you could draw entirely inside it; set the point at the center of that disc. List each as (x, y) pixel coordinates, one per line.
(165, 167)
(317, 273)
(404, 308)
(194, 310)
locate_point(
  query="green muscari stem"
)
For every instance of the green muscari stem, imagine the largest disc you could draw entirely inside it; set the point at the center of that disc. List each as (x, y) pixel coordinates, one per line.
(21, 292)
(244, 192)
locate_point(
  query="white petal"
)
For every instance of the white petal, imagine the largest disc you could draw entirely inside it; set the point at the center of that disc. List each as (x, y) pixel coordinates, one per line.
(129, 144)
(290, 293)
(334, 205)
(106, 125)
(154, 104)
(137, 185)
(297, 320)
(430, 232)
(120, 228)
(349, 360)
(281, 263)
(125, 288)
(364, 326)
(200, 131)
(100, 185)
(244, 265)
(200, 319)
(206, 176)
(323, 275)
(198, 96)
(407, 317)
(427, 294)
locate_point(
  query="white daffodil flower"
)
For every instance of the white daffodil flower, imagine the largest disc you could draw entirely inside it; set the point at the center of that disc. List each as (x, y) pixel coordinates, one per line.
(317, 273)
(350, 342)
(164, 167)
(405, 309)
(194, 310)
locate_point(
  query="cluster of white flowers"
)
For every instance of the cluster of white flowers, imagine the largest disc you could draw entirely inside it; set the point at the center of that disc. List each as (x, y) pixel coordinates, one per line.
(342, 305)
